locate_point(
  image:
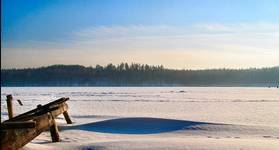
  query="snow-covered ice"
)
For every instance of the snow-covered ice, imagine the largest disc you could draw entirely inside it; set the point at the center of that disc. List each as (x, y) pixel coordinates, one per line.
(157, 117)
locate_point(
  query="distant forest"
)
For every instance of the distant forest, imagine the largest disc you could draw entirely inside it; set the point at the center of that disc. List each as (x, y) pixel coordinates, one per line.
(137, 75)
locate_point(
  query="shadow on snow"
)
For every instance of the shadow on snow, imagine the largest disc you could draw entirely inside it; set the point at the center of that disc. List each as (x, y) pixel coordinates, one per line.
(136, 125)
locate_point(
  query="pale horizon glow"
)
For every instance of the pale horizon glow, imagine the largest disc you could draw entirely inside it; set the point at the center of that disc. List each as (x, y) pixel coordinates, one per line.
(195, 45)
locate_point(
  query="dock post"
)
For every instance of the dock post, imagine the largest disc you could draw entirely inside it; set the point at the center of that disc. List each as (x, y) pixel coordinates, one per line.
(10, 106)
(54, 130)
(67, 117)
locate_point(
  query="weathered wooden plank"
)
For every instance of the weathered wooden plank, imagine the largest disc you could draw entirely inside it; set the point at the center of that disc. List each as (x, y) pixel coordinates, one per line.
(54, 109)
(10, 106)
(44, 119)
(37, 110)
(67, 117)
(16, 138)
(18, 125)
(59, 101)
(54, 130)
(62, 108)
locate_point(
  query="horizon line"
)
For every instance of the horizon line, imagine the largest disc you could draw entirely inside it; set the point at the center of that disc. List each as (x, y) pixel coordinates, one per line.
(87, 66)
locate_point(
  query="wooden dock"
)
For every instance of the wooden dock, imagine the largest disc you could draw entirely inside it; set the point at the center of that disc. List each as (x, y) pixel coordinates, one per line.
(19, 130)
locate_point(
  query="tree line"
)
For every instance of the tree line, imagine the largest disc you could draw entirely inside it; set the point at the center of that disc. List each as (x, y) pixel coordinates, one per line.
(135, 74)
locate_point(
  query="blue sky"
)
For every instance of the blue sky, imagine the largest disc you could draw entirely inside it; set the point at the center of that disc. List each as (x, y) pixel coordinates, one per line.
(114, 31)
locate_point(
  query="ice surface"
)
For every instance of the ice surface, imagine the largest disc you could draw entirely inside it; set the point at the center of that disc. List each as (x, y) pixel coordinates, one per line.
(238, 105)
(144, 117)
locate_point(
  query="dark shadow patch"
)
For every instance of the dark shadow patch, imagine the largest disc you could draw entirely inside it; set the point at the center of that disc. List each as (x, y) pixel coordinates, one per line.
(136, 125)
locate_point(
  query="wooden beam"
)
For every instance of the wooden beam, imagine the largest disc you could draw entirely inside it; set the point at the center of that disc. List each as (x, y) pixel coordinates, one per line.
(67, 117)
(10, 106)
(55, 111)
(37, 110)
(18, 125)
(14, 139)
(54, 130)
(44, 118)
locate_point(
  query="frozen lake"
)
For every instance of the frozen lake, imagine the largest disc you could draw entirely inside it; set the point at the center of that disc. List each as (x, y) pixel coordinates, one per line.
(233, 105)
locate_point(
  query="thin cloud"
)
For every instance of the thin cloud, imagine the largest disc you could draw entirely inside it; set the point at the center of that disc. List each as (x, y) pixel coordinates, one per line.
(196, 46)
(244, 37)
